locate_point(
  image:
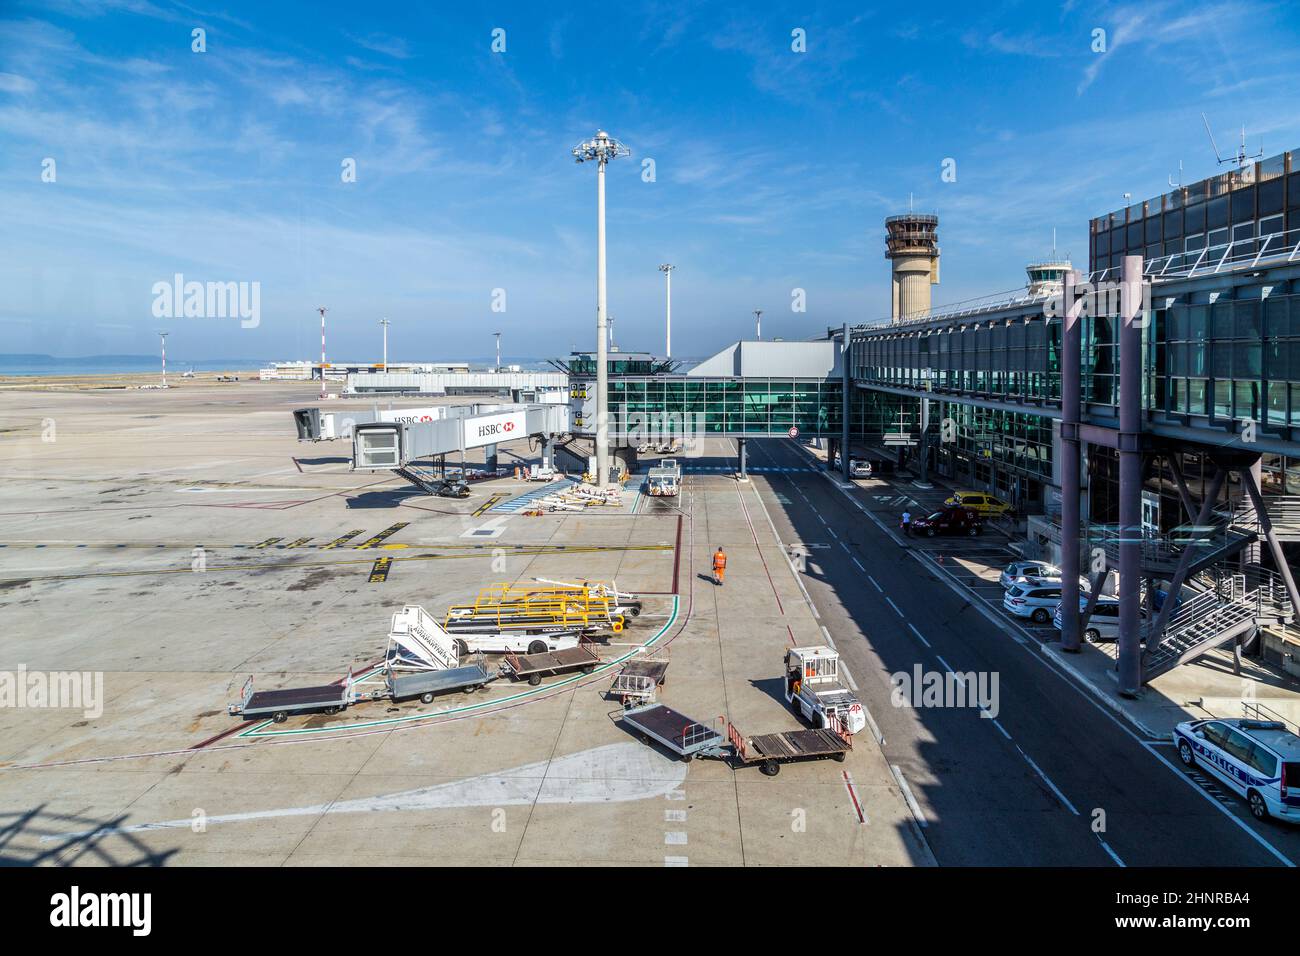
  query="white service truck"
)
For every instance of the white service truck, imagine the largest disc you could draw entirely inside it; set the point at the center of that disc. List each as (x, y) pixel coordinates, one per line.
(665, 480)
(813, 688)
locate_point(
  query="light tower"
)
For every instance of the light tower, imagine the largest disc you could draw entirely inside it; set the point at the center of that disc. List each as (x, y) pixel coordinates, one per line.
(601, 149)
(321, 310)
(758, 324)
(385, 323)
(667, 270)
(912, 244)
(162, 337)
(498, 335)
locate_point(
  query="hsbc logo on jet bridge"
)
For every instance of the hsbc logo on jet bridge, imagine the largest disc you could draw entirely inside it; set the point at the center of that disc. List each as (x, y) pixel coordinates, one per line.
(490, 429)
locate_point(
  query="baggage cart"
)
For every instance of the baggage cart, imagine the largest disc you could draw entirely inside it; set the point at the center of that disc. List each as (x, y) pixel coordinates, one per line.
(534, 666)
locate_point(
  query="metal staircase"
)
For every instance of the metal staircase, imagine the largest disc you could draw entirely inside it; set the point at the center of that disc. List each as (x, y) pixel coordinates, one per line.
(1160, 554)
(1283, 513)
(1199, 625)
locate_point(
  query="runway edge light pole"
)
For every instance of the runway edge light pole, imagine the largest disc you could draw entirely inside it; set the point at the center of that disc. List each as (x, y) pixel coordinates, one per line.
(601, 149)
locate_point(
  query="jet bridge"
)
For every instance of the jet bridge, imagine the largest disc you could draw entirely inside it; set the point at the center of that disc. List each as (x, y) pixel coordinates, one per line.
(398, 445)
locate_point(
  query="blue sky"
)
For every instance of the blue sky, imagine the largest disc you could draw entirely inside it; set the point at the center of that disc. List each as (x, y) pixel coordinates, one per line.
(773, 169)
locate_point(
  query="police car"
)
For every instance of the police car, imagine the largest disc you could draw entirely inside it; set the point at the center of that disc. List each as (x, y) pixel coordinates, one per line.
(1259, 759)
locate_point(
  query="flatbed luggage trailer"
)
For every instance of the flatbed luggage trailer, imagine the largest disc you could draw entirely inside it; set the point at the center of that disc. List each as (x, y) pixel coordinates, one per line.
(534, 667)
(280, 704)
(639, 680)
(691, 739)
(398, 684)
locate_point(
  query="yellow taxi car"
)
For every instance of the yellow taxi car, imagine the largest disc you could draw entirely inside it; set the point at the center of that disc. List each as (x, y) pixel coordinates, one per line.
(978, 502)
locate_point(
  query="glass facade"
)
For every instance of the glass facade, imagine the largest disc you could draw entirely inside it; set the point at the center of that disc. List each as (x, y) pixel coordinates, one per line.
(1198, 222)
(1016, 356)
(1231, 359)
(729, 406)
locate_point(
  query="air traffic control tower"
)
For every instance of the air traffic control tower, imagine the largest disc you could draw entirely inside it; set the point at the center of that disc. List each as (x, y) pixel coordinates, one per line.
(912, 244)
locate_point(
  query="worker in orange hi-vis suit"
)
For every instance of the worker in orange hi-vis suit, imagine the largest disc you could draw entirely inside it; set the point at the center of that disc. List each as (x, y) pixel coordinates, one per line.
(719, 565)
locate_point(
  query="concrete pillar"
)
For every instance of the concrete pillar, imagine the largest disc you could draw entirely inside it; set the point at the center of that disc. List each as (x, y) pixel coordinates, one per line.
(743, 454)
(1071, 532)
(546, 451)
(1130, 478)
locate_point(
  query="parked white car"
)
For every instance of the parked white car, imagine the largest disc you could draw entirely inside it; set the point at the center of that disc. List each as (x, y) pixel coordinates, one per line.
(1020, 572)
(1103, 623)
(1034, 601)
(1256, 759)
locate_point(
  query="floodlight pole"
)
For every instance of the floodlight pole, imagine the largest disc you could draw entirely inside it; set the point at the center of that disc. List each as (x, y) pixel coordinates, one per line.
(321, 310)
(667, 270)
(758, 324)
(162, 337)
(498, 335)
(385, 323)
(601, 149)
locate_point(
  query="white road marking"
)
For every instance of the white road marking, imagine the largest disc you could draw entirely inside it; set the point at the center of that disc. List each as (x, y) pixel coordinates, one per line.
(946, 665)
(890, 602)
(675, 838)
(919, 636)
(827, 634)
(675, 861)
(674, 816)
(615, 773)
(858, 563)
(1047, 780)
(1000, 728)
(875, 585)
(1113, 855)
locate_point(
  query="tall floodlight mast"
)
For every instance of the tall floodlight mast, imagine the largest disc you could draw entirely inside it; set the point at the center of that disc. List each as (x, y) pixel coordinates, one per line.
(498, 335)
(162, 337)
(667, 270)
(385, 323)
(321, 310)
(758, 324)
(601, 150)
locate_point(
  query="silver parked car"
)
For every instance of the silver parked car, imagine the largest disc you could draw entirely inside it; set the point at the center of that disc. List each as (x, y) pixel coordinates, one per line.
(1021, 572)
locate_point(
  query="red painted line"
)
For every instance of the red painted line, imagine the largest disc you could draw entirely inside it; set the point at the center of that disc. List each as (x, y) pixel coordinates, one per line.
(857, 806)
(677, 555)
(241, 725)
(758, 547)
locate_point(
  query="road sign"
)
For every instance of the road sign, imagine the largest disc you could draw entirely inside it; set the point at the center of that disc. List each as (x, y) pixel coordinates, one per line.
(794, 432)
